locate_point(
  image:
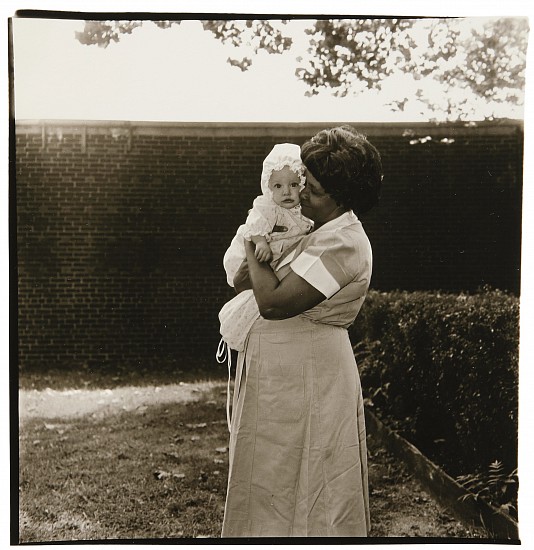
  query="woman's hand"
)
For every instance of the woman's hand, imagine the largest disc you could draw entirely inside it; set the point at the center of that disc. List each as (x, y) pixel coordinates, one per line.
(241, 278)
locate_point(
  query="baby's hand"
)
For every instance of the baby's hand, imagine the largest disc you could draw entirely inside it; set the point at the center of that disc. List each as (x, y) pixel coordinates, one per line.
(263, 252)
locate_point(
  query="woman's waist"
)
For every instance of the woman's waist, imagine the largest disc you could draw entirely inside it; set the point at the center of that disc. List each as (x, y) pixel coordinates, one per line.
(299, 323)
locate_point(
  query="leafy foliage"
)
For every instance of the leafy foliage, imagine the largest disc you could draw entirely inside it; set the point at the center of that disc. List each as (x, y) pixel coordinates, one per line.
(343, 52)
(102, 33)
(490, 62)
(256, 34)
(443, 369)
(259, 34)
(349, 56)
(494, 485)
(484, 68)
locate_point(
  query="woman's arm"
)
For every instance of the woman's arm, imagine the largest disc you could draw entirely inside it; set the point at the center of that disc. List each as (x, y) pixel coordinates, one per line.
(279, 299)
(241, 279)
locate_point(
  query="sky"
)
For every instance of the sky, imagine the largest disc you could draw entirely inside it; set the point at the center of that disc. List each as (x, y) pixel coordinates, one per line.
(182, 74)
(142, 78)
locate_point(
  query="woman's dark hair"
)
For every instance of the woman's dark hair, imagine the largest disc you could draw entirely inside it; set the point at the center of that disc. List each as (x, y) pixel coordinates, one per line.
(346, 165)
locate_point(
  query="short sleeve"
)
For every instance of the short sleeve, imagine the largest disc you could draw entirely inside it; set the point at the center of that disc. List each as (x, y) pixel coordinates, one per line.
(261, 218)
(332, 260)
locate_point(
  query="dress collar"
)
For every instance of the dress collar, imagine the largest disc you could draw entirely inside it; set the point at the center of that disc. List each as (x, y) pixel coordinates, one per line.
(347, 218)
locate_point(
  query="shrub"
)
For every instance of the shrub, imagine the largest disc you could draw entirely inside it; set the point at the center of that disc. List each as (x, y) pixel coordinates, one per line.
(443, 369)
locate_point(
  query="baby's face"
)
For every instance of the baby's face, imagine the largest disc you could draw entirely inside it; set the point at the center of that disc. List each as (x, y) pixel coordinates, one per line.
(285, 185)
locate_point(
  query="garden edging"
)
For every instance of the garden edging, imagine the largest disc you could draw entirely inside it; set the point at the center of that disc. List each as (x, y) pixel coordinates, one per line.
(441, 486)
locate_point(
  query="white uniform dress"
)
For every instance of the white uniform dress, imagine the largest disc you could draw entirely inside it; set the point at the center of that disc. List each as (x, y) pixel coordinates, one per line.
(298, 456)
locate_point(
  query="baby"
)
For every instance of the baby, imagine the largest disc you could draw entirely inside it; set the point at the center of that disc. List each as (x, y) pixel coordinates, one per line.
(274, 224)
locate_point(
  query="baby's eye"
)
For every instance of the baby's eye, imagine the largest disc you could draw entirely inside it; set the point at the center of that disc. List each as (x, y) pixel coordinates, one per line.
(295, 184)
(277, 186)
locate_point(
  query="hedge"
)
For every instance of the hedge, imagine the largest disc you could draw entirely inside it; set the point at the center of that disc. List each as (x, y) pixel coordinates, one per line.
(442, 369)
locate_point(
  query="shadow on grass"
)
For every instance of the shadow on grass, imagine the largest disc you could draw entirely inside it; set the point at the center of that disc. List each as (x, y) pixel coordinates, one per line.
(97, 375)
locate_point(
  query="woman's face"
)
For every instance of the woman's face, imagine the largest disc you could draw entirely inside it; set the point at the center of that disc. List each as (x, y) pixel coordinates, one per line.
(315, 202)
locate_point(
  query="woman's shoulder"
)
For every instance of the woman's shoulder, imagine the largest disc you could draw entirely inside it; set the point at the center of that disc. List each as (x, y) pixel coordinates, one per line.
(333, 256)
(348, 233)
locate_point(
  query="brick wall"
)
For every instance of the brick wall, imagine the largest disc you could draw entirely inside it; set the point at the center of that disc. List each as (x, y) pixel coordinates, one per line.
(121, 227)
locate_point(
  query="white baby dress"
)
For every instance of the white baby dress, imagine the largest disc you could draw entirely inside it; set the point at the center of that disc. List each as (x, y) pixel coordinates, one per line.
(238, 315)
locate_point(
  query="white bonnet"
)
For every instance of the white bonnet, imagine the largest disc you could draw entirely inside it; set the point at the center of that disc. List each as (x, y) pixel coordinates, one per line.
(282, 154)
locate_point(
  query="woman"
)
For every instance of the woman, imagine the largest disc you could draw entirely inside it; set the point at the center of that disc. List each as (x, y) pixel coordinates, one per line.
(298, 464)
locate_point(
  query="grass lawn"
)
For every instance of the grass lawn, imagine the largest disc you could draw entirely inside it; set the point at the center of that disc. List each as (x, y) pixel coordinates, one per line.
(157, 469)
(158, 473)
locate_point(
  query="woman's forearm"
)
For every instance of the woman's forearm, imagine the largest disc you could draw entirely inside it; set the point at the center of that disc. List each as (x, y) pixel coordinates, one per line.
(262, 277)
(279, 299)
(241, 278)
